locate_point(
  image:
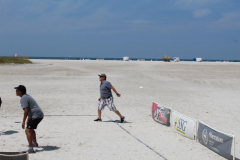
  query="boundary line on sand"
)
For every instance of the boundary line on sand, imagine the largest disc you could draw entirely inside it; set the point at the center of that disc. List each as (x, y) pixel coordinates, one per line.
(69, 115)
(54, 115)
(115, 123)
(139, 140)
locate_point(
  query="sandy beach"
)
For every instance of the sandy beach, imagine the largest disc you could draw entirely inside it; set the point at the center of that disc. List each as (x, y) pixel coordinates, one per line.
(68, 92)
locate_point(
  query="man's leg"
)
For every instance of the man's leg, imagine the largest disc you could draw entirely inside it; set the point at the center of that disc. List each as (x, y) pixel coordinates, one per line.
(101, 106)
(99, 114)
(112, 107)
(29, 136)
(34, 136)
(34, 139)
(118, 113)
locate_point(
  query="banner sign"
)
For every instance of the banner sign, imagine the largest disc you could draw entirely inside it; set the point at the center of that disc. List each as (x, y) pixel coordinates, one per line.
(183, 125)
(214, 140)
(161, 114)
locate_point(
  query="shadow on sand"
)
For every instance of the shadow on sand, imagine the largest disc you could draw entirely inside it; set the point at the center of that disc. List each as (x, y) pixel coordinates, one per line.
(9, 132)
(116, 121)
(18, 122)
(47, 148)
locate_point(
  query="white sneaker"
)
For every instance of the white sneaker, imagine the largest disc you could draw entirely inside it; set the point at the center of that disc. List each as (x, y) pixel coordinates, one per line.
(30, 150)
(35, 144)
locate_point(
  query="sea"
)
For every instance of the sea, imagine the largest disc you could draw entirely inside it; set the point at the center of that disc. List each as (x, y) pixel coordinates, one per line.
(131, 59)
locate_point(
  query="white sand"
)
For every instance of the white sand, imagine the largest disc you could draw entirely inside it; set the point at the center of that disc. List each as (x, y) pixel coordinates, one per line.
(206, 91)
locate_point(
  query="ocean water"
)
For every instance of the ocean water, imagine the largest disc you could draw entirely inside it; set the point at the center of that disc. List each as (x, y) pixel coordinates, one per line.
(94, 58)
(131, 59)
(134, 59)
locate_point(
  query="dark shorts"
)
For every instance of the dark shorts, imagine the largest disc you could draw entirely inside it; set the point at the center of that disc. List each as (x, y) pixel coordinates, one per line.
(33, 123)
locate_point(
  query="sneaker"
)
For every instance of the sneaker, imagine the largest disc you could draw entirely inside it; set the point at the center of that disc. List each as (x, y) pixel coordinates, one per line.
(122, 119)
(35, 144)
(30, 150)
(98, 120)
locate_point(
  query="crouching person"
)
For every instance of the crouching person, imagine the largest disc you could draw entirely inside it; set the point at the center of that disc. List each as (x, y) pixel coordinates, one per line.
(33, 115)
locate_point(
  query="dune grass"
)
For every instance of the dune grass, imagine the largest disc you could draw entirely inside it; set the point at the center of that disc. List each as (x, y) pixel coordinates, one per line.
(14, 60)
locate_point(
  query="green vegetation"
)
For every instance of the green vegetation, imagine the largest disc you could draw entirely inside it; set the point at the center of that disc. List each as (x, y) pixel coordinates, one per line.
(15, 60)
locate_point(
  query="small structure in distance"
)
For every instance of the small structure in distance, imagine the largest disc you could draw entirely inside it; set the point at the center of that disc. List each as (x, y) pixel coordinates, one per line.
(198, 59)
(166, 58)
(125, 58)
(176, 59)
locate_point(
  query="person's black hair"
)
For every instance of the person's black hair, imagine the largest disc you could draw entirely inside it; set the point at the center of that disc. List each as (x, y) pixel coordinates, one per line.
(105, 78)
(23, 91)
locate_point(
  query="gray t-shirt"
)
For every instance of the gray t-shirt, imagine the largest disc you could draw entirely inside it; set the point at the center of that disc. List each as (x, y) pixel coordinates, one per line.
(105, 89)
(34, 111)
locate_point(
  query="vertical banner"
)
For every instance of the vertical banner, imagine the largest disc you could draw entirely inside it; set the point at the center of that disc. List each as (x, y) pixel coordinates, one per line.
(154, 109)
(161, 114)
(183, 125)
(215, 140)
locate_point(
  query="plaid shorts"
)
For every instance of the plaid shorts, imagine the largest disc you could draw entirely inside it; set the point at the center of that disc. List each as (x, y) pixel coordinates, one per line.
(107, 102)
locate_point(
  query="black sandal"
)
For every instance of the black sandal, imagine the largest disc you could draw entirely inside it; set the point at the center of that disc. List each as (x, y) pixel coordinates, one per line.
(98, 119)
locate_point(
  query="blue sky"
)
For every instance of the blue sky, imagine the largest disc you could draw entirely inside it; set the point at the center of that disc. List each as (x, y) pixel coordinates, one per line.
(115, 28)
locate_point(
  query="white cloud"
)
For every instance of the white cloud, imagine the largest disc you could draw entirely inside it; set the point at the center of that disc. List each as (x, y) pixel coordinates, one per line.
(200, 13)
(193, 4)
(229, 21)
(50, 17)
(67, 16)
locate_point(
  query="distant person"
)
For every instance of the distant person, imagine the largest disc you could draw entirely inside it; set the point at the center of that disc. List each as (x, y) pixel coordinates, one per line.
(33, 114)
(0, 102)
(106, 98)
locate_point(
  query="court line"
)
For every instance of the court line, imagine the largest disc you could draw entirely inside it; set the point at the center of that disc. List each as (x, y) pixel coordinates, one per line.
(139, 140)
(70, 115)
(118, 125)
(52, 115)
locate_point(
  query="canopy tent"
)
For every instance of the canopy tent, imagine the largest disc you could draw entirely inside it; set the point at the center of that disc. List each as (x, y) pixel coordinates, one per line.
(166, 58)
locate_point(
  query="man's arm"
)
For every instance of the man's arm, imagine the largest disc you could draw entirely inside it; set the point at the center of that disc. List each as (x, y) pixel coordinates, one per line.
(116, 92)
(24, 117)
